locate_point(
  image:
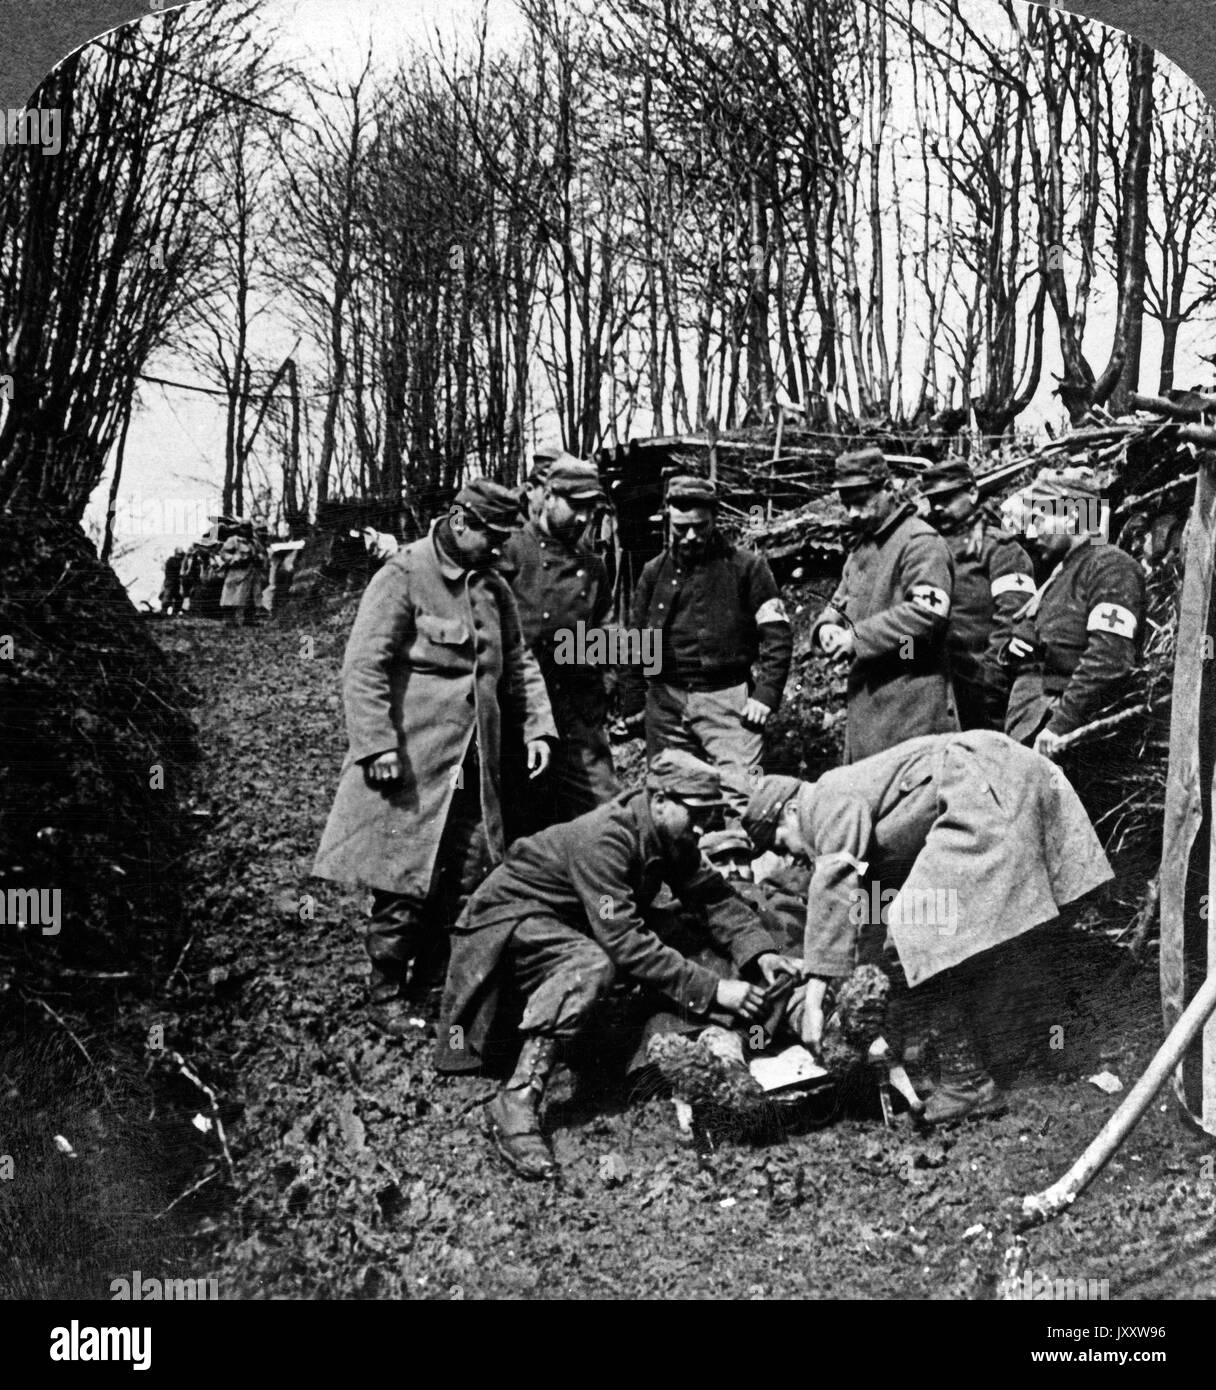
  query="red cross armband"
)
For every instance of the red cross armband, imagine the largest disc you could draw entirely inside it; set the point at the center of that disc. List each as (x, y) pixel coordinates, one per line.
(1112, 617)
(930, 598)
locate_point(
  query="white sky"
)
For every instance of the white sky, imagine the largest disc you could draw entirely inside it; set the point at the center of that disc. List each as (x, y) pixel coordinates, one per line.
(175, 448)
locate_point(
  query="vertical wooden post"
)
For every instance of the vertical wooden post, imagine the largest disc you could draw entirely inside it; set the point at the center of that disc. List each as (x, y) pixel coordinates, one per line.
(1188, 858)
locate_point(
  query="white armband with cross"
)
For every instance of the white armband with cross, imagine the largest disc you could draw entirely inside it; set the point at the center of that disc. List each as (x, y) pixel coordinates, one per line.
(1112, 617)
(931, 598)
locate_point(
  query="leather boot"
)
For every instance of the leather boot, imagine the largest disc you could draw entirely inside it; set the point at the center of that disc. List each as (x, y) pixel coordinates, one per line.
(388, 1011)
(965, 1090)
(512, 1118)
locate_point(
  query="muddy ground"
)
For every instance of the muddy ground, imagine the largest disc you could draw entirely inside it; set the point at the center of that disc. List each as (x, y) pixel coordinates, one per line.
(357, 1173)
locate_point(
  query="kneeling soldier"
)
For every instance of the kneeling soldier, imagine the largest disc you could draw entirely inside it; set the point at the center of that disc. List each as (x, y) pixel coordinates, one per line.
(565, 914)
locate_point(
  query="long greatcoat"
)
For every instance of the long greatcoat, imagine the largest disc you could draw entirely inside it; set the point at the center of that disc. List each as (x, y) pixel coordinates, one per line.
(434, 651)
(982, 838)
(895, 596)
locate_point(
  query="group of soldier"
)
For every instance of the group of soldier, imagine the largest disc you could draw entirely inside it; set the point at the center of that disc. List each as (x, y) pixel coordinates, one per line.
(480, 805)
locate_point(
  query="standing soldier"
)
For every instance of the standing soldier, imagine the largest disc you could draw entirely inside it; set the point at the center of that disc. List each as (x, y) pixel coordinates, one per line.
(243, 561)
(889, 614)
(559, 584)
(171, 590)
(726, 644)
(435, 648)
(1075, 645)
(993, 579)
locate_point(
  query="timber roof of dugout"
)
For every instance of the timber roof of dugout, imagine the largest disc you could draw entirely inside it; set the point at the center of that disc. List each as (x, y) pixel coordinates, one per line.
(782, 502)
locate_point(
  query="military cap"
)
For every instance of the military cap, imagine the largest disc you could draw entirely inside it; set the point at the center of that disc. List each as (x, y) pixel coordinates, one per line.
(575, 480)
(768, 801)
(686, 778)
(730, 841)
(954, 475)
(1051, 484)
(544, 459)
(688, 491)
(862, 468)
(495, 506)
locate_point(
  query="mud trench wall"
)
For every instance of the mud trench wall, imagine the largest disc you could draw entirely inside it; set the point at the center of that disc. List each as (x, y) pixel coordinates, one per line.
(95, 748)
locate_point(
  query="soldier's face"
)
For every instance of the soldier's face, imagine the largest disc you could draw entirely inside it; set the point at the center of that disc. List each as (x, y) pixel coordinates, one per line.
(1049, 533)
(867, 507)
(678, 822)
(734, 866)
(536, 500)
(564, 517)
(950, 509)
(478, 543)
(788, 836)
(691, 528)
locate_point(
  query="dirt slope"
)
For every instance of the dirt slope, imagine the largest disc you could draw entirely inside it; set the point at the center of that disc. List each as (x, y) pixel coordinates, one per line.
(360, 1174)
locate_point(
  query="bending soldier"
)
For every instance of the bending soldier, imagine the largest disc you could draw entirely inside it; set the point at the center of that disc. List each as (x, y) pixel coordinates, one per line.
(435, 648)
(940, 849)
(888, 616)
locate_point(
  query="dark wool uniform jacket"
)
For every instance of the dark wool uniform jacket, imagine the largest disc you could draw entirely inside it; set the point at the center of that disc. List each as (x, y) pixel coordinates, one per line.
(598, 874)
(723, 614)
(1086, 635)
(895, 595)
(993, 580)
(557, 586)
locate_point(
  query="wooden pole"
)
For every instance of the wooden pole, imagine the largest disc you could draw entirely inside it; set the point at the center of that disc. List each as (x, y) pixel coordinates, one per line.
(1042, 1206)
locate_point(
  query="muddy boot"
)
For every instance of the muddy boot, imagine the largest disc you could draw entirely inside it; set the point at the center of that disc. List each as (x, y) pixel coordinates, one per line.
(965, 1091)
(512, 1118)
(388, 1011)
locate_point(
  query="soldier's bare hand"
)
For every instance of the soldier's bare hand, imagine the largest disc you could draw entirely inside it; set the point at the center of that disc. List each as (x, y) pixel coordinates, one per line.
(836, 641)
(774, 967)
(1047, 743)
(385, 768)
(812, 1015)
(740, 998)
(756, 713)
(538, 757)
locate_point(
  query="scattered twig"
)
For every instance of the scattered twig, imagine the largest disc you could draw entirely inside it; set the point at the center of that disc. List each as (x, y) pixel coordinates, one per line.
(202, 1182)
(178, 966)
(84, 1052)
(184, 1069)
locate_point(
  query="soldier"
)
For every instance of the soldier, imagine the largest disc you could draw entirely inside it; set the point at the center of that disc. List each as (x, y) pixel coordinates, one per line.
(567, 912)
(993, 579)
(888, 616)
(534, 486)
(435, 646)
(949, 845)
(558, 585)
(171, 590)
(726, 643)
(244, 561)
(1075, 645)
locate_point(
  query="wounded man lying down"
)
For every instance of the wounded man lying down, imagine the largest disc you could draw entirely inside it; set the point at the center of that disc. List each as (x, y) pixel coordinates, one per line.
(951, 845)
(569, 911)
